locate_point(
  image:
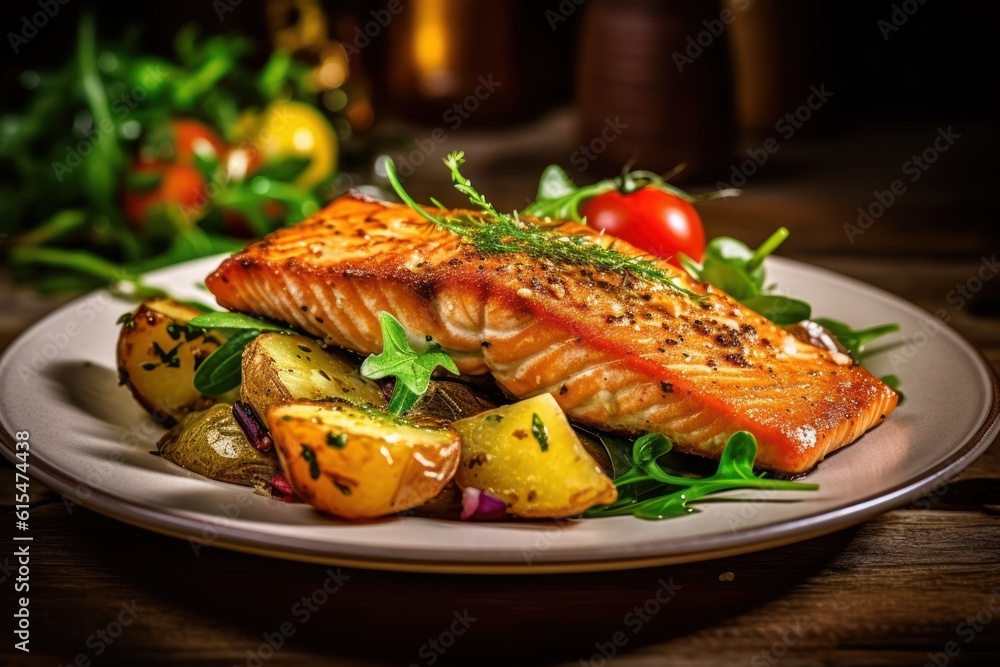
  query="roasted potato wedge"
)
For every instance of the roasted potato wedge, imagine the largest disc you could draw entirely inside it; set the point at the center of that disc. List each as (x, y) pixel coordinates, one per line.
(527, 455)
(211, 443)
(157, 357)
(359, 463)
(450, 401)
(278, 368)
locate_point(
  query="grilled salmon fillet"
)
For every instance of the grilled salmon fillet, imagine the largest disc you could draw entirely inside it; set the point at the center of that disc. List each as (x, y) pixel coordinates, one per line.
(617, 353)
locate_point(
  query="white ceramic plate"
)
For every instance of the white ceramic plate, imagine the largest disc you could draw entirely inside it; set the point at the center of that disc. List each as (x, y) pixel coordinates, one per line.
(91, 442)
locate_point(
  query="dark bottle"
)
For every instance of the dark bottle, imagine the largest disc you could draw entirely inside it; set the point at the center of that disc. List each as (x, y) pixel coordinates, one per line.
(654, 86)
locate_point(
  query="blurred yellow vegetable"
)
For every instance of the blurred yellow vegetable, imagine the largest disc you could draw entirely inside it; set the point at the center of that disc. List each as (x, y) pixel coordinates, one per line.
(294, 129)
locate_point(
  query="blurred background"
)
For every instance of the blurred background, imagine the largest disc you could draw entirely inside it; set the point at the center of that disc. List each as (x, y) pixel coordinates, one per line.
(135, 135)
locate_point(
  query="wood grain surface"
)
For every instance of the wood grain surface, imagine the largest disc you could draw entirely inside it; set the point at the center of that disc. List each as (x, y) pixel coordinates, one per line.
(907, 588)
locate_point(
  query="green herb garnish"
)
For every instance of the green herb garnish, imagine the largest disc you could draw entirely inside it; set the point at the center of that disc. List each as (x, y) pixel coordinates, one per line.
(336, 440)
(222, 370)
(855, 340)
(310, 457)
(495, 233)
(236, 321)
(411, 369)
(169, 357)
(127, 320)
(540, 432)
(673, 492)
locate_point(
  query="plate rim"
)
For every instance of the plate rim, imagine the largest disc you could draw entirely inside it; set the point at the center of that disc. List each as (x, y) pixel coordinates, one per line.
(166, 522)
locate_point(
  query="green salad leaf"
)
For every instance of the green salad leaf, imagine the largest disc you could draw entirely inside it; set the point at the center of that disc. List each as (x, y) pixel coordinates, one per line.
(229, 320)
(855, 340)
(673, 491)
(222, 370)
(733, 267)
(411, 369)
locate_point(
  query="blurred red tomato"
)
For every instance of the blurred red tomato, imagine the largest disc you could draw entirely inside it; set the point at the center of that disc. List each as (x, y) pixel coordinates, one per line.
(195, 137)
(181, 184)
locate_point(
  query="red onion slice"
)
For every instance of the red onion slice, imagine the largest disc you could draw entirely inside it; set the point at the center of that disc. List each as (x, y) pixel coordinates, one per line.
(478, 505)
(281, 486)
(254, 431)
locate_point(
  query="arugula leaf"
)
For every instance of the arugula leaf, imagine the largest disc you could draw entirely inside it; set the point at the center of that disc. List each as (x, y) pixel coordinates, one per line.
(411, 369)
(560, 198)
(222, 370)
(855, 340)
(734, 268)
(675, 492)
(229, 320)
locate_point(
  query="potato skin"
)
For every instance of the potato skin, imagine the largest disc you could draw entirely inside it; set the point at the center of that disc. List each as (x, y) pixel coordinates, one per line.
(212, 444)
(157, 357)
(344, 461)
(278, 368)
(547, 476)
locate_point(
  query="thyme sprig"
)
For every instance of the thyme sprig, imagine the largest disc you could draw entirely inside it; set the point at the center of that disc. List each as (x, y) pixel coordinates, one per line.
(496, 233)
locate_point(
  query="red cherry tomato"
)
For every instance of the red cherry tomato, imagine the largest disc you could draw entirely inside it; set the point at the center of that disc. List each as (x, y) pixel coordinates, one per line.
(193, 135)
(656, 221)
(180, 184)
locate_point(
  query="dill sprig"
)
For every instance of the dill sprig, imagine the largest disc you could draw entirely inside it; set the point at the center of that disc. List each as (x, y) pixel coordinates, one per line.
(454, 161)
(508, 234)
(506, 237)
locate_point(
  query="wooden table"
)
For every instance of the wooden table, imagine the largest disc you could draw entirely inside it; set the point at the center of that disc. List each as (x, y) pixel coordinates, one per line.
(904, 589)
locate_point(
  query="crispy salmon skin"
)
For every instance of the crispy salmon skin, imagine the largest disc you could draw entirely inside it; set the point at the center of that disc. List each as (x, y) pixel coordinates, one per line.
(617, 353)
